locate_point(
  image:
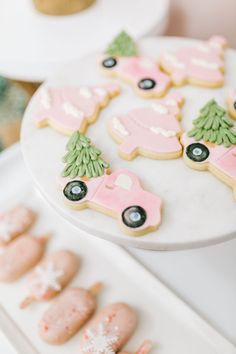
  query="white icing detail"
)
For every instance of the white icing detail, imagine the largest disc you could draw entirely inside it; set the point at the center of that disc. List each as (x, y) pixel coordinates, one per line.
(204, 64)
(166, 133)
(160, 108)
(119, 126)
(204, 48)
(124, 181)
(85, 92)
(147, 63)
(45, 98)
(100, 91)
(174, 61)
(99, 342)
(70, 109)
(171, 102)
(47, 278)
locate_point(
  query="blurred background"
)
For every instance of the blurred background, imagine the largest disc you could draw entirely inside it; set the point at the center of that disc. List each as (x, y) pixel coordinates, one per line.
(38, 36)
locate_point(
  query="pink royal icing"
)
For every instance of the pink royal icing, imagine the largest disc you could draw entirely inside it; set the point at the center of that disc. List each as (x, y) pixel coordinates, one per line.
(72, 108)
(154, 129)
(135, 70)
(202, 63)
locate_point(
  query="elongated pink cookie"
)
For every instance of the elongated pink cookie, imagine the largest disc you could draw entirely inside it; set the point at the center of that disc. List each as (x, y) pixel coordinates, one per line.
(67, 314)
(118, 194)
(15, 222)
(145, 348)
(151, 131)
(51, 276)
(68, 109)
(109, 330)
(201, 64)
(141, 72)
(20, 256)
(231, 103)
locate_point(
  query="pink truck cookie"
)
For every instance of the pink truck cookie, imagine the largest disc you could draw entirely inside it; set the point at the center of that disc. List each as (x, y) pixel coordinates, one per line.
(142, 73)
(145, 348)
(51, 276)
(151, 131)
(218, 159)
(67, 314)
(201, 64)
(109, 330)
(15, 222)
(119, 195)
(20, 256)
(231, 103)
(68, 109)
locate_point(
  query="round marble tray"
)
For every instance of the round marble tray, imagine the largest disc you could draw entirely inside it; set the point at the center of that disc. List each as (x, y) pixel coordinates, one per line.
(34, 45)
(198, 210)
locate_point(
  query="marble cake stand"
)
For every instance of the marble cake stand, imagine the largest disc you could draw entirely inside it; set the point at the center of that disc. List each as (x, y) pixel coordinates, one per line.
(198, 209)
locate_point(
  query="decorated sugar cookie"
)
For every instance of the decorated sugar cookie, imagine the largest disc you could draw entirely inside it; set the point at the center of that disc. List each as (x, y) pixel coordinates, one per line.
(68, 109)
(67, 314)
(231, 103)
(145, 348)
(211, 144)
(51, 276)
(20, 256)
(87, 184)
(152, 131)
(201, 64)
(122, 60)
(109, 330)
(15, 222)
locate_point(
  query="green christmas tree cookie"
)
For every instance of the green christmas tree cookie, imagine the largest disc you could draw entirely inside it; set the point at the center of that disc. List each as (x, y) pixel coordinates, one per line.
(212, 125)
(123, 45)
(83, 159)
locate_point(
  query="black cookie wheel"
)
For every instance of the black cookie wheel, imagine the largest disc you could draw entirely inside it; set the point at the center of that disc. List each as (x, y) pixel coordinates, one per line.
(197, 152)
(134, 216)
(109, 63)
(75, 190)
(146, 84)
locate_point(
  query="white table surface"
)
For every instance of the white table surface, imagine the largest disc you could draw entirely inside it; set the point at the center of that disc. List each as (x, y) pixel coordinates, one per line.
(204, 278)
(33, 45)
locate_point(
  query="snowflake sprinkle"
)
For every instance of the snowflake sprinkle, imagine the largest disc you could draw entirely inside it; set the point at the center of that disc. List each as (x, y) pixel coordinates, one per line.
(99, 341)
(47, 278)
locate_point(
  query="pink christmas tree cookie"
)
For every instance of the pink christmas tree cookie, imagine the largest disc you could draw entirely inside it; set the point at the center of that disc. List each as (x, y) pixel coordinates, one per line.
(231, 103)
(201, 64)
(68, 109)
(87, 183)
(15, 222)
(151, 131)
(109, 330)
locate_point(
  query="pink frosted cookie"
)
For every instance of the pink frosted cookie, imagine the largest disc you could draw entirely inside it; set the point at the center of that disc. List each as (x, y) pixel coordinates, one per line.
(20, 256)
(72, 108)
(109, 330)
(231, 103)
(15, 222)
(151, 131)
(201, 64)
(145, 348)
(67, 314)
(51, 276)
(141, 72)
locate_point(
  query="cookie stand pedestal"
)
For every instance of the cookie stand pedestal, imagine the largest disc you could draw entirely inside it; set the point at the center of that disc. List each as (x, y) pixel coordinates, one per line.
(34, 45)
(198, 209)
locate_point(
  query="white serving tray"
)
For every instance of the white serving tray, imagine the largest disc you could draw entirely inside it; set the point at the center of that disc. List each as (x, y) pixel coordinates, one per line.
(164, 318)
(198, 209)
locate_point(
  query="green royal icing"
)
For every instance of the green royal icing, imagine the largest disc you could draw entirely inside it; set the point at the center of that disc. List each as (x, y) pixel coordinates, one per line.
(82, 159)
(123, 45)
(212, 125)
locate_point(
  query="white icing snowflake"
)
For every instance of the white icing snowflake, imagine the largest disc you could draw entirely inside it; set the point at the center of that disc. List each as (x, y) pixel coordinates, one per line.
(47, 278)
(7, 228)
(99, 341)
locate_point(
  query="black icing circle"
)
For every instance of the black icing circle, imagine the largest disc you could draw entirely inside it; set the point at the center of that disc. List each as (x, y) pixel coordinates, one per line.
(75, 190)
(235, 105)
(109, 63)
(134, 216)
(146, 84)
(197, 152)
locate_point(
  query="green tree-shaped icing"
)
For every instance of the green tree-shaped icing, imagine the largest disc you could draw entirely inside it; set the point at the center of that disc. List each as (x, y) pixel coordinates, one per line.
(82, 159)
(212, 125)
(123, 45)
